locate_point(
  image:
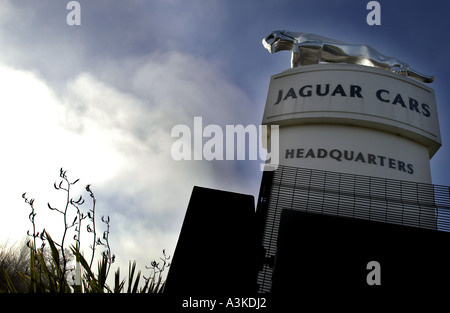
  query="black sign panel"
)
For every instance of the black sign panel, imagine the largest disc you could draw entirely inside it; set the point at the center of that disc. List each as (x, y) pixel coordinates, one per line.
(339, 255)
(215, 253)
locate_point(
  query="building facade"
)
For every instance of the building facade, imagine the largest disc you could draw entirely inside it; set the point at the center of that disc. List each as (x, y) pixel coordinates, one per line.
(355, 142)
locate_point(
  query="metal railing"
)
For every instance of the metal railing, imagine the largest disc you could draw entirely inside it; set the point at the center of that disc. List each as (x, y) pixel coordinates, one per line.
(355, 196)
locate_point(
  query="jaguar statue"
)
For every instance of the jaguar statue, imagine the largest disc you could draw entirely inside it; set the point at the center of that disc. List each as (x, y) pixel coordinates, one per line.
(314, 49)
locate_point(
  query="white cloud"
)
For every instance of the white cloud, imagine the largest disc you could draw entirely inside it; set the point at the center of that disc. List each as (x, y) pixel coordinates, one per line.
(98, 103)
(149, 192)
(28, 133)
(114, 133)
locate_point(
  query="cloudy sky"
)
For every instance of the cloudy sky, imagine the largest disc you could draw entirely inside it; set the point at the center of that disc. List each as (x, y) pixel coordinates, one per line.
(100, 99)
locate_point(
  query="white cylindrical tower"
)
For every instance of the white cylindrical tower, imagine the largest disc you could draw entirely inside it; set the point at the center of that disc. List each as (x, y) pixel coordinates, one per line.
(354, 119)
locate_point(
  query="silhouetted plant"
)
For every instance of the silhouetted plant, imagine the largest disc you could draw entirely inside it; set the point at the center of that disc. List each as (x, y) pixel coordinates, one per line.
(50, 273)
(91, 216)
(154, 283)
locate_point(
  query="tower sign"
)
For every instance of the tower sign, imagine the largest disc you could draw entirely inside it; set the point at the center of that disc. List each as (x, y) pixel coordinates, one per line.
(356, 132)
(364, 116)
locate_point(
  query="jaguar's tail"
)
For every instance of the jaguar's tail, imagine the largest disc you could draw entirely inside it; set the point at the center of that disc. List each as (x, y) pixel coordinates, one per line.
(420, 77)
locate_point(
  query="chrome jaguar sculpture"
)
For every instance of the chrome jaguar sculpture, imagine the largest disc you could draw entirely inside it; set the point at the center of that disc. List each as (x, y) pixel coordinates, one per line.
(313, 49)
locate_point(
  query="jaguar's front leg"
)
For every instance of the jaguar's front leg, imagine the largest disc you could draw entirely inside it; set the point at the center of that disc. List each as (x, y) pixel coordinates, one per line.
(295, 57)
(402, 69)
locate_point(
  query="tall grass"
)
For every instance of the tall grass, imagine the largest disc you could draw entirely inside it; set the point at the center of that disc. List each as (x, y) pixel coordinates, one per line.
(49, 270)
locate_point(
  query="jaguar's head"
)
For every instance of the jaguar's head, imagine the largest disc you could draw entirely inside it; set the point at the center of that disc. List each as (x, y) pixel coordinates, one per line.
(279, 40)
